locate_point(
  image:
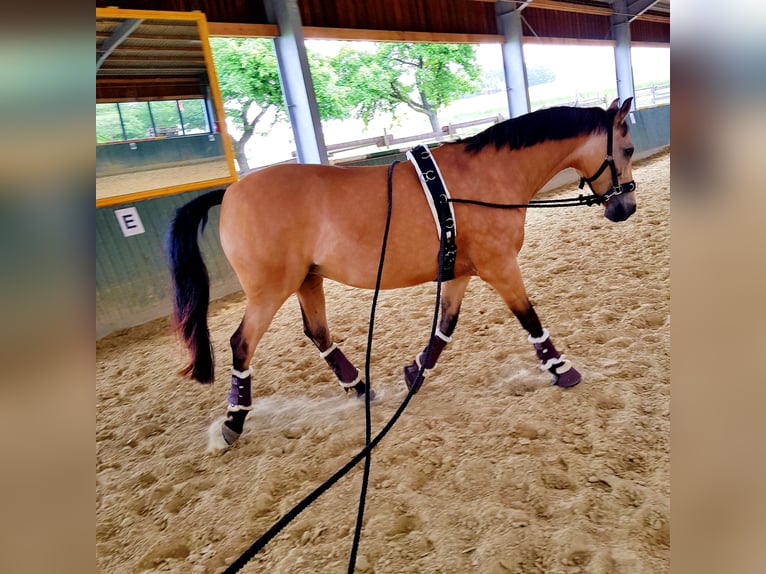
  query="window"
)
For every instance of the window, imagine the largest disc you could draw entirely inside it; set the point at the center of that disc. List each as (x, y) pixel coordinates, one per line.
(124, 121)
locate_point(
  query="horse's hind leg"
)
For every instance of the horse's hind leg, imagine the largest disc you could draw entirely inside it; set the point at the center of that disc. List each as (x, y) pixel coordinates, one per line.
(452, 297)
(243, 343)
(312, 301)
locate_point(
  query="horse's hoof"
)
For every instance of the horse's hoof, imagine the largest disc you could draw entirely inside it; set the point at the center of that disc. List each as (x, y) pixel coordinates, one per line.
(411, 378)
(233, 425)
(217, 443)
(568, 379)
(229, 435)
(360, 389)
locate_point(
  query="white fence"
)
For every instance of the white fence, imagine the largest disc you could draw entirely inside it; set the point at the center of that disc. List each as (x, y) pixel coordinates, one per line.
(653, 96)
(645, 97)
(388, 140)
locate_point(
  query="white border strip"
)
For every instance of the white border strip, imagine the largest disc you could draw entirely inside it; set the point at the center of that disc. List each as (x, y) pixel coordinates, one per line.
(242, 374)
(429, 197)
(326, 353)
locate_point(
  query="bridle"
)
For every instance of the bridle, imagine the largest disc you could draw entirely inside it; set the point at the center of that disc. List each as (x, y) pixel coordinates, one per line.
(617, 187)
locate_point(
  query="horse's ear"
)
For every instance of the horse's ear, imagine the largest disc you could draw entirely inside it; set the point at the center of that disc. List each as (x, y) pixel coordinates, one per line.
(619, 118)
(624, 110)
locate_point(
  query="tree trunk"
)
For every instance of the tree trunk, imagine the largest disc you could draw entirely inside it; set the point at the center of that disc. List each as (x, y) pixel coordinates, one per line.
(247, 133)
(435, 126)
(242, 159)
(240, 149)
(431, 113)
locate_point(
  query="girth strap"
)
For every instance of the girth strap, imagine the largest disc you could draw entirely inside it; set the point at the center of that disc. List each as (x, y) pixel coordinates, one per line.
(439, 201)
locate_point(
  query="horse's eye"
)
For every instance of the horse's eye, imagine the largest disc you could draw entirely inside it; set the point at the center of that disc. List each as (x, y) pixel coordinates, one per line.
(629, 152)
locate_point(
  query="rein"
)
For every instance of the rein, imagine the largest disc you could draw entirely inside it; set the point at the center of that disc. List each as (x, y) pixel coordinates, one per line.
(589, 200)
(563, 202)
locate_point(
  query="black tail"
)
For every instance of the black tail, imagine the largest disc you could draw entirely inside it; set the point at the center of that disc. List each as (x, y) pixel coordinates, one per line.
(191, 285)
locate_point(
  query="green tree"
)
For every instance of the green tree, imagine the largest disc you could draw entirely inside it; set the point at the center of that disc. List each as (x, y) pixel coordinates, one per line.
(108, 127)
(250, 87)
(249, 83)
(425, 77)
(165, 115)
(136, 119)
(540, 74)
(331, 98)
(194, 116)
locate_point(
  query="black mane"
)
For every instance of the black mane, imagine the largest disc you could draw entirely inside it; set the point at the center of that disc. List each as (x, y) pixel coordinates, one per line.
(542, 125)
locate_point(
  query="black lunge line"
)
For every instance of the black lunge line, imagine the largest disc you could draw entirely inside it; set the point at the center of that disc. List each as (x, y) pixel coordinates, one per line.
(367, 378)
(280, 524)
(413, 389)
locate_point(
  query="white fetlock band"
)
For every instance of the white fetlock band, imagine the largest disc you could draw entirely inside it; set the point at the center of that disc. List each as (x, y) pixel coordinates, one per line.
(564, 367)
(554, 361)
(541, 339)
(352, 384)
(242, 374)
(561, 369)
(324, 354)
(442, 336)
(235, 408)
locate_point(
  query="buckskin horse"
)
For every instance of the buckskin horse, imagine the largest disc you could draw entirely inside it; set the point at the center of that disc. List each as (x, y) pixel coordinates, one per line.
(286, 228)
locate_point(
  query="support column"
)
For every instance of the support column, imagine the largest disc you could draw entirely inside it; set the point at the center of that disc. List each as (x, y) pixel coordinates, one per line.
(295, 77)
(509, 25)
(620, 24)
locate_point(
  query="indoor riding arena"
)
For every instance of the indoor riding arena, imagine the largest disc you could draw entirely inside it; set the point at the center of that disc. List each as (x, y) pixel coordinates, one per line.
(490, 469)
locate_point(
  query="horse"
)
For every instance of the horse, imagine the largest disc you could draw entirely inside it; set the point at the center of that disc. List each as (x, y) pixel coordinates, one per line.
(286, 228)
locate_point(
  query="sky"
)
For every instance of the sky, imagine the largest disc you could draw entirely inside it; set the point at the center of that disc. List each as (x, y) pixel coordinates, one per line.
(581, 66)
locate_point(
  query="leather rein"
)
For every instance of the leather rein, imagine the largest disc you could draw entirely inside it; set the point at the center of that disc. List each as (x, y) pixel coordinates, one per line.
(593, 199)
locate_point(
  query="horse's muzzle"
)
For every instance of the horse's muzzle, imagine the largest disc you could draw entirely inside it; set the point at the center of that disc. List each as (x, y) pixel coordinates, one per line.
(620, 207)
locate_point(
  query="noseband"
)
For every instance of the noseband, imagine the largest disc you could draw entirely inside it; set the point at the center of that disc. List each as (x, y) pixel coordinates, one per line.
(617, 187)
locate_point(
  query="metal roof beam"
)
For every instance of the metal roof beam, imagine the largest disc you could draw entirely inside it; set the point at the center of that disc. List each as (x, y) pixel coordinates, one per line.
(638, 7)
(518, 5)
(119, 35)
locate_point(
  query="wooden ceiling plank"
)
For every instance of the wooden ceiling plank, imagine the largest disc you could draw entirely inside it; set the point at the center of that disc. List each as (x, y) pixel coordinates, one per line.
(563, 6)
(322, 33)
(234, 29)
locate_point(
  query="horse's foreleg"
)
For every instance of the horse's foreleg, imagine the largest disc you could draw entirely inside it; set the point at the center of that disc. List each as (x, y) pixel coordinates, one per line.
(312, 302)
(511, 289)
(452, 297)
(564, 374)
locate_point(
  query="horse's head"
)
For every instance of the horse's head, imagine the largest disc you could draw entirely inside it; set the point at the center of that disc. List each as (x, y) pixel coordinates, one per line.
(613, 181)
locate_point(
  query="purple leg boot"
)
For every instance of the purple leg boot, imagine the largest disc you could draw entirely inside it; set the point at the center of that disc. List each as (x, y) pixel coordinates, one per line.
(240, 402)
(411, 379)
(348, 374)
(564, 374)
